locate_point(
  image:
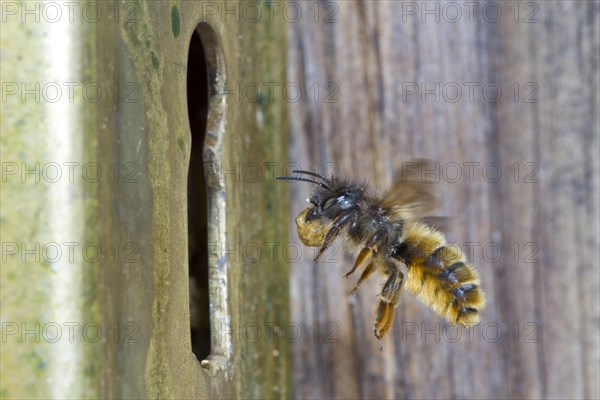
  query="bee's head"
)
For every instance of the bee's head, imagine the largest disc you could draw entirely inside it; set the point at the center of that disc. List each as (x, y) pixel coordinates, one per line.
(328, 200)
(311, 228)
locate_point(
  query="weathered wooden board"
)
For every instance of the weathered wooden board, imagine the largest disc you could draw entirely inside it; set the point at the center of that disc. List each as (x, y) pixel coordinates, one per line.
(399, 80)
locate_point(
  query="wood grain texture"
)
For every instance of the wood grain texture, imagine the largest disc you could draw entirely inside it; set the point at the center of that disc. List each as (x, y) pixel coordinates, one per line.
(533, 232)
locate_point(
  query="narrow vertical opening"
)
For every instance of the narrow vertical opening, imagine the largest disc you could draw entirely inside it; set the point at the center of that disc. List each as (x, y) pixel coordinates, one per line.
(198, 107)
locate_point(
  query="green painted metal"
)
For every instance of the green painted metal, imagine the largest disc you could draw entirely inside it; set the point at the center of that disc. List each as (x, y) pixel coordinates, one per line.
(136, 135)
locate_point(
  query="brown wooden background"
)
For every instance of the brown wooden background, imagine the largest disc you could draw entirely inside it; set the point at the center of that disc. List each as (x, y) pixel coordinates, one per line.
(543, 297)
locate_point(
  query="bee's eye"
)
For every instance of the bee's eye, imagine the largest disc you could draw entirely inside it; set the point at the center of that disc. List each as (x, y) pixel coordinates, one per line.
(312, 214)
(329, 202)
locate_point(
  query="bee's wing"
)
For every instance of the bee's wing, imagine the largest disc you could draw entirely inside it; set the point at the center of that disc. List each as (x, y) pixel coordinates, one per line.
(412, 193)
(439, 223)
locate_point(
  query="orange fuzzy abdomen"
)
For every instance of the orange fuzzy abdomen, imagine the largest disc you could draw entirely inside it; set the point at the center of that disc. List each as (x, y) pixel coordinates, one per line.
(439, 275)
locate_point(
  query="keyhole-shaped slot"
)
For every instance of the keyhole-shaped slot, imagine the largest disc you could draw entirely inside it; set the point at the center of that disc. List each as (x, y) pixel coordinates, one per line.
(207, 196)
(198, 105)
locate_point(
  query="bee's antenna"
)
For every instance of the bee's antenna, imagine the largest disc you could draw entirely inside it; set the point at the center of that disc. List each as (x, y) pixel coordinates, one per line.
(299, 171)
(299, 178)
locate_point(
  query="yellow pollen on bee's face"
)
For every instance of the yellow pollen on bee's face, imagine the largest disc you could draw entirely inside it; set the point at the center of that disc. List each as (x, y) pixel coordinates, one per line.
(312, 233)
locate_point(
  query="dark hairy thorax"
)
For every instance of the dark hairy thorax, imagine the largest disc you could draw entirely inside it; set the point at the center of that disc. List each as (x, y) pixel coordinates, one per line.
(367, 220)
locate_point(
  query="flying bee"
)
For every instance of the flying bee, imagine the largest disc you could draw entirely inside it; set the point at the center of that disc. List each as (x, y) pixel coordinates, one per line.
(390, 230)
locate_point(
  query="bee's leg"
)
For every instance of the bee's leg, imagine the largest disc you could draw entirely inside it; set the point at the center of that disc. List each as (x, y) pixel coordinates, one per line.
(370, 247)
(386, 307)
(383, 320)
(366, 273)
(362, 256)
(335, 231)
(391, 289)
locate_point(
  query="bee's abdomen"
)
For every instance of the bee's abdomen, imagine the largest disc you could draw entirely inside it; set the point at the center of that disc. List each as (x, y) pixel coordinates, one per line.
(439, 275)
